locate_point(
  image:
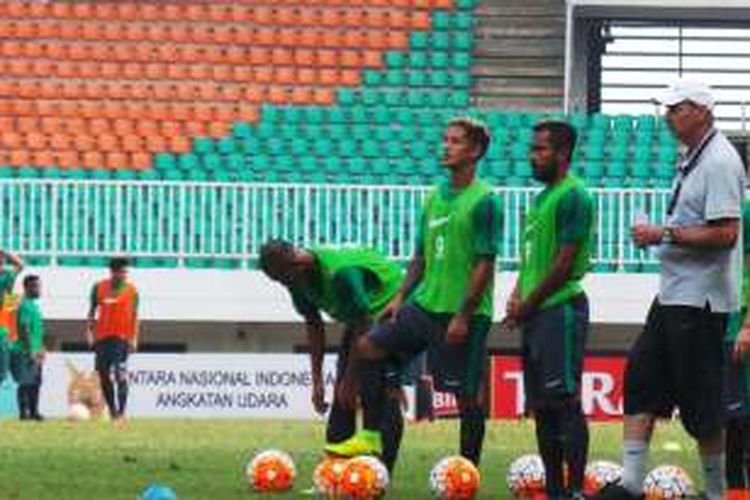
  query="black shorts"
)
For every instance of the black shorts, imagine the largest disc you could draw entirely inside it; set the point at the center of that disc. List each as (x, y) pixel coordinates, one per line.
(456, 368)
(393, 372)
(111, 354)
(678, 361)
(553, 344)
(25, 369)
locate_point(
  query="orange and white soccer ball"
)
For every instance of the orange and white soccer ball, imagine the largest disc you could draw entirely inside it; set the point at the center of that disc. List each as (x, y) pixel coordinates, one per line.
(525, 477)
(454, 478)
(79, 412)
(271, 471)
(601, 473)
(363, 478)
(668, 481)
(327, 476)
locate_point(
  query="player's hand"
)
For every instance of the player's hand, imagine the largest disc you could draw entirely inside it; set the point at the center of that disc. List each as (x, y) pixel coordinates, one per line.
(389, 311)
(458, 329)
(89, 337)
(318, 397)
(742, 344)
(346, 393)
(39, 357)
(644, 235)
(133, 345)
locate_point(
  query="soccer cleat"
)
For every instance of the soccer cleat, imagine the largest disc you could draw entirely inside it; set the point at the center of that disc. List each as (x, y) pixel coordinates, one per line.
(362, 443)
(616, 492)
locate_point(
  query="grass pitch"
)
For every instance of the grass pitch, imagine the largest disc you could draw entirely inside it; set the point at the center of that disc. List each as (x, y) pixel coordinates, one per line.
(205, 459)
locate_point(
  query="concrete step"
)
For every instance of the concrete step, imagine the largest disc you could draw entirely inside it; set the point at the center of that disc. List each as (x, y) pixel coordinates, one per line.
(513, 30)
(510, 88)
(520, 10)
(523, 48)
(523, 71)
(525, 103)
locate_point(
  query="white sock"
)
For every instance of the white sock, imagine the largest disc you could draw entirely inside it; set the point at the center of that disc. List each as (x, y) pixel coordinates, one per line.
(713, 475)
(634, 458)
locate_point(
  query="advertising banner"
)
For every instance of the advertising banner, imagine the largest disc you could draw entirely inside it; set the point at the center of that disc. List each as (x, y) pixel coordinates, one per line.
(190, 385)
(601, 387)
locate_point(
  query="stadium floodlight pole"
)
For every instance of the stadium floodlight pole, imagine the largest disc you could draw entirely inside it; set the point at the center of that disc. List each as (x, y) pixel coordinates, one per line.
(568, 55)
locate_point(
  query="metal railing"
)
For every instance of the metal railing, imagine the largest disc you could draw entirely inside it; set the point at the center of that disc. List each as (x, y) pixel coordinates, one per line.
(220, 221)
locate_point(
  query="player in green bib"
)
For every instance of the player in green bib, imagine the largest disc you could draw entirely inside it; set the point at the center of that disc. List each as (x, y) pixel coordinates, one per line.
(550, 306)
(444, 306)
(27, 352)
(737, 380)
(351, 285)
(7, 281)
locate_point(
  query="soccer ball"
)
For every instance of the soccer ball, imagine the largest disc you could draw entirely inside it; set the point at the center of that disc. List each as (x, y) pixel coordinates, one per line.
(454, 478)
(668, 481)
(158, 492)
(328, 474)
(271, 471)
(600, 473)
(363, 477)
(78, 412)
(525, 476)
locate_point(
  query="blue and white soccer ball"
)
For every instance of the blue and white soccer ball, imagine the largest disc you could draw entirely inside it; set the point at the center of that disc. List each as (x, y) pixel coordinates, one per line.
(668, 481)
(158, 492)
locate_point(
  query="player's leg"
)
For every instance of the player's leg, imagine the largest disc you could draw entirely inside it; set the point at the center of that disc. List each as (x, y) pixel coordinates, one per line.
(646, 396)
(460, 369)
(4, 358)
(736, 411)
(696, 337)
(34, 388)
(401, 338)
(392, 426)
(120, 372)
(103, 363)
(342, 422)
(22, 399)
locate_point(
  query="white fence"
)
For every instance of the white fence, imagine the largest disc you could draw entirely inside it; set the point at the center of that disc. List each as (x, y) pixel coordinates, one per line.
(180, 221)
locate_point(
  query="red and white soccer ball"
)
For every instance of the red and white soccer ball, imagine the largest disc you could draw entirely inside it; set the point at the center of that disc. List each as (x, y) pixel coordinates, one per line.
(601, 473)
(79, 412)
(668, 481)
(271, 471)
(525, 477)
(327, 476)
(454, 478)
(363, 478)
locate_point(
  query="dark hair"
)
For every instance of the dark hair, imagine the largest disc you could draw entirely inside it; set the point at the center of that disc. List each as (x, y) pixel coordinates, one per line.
(29, 279)
(562, 135)
(118, 263)
(476, 131)
(275, 256)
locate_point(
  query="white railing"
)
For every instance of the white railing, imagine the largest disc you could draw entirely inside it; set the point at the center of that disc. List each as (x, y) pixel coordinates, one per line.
(221, 221)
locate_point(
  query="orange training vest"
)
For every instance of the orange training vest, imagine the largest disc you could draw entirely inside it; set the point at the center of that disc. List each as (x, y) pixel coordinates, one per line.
(8, 315)
(116, 311)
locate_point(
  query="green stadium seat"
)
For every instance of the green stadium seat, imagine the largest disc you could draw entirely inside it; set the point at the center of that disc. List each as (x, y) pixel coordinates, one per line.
(372, 78)
(441, 20)
(395, 78)
(203, 145)
(417, 79)
(460, 80)
(462, 41)
(417, 41)
(463, 21)
(418, 59)
(461, 60)
(242, 130)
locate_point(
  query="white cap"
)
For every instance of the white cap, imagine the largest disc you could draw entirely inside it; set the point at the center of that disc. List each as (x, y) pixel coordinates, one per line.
(687, 90)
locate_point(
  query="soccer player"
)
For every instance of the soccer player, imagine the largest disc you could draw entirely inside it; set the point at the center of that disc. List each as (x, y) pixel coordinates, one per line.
(737, 383)
(351, 285)
(7, 281)
(112, 332)
(27, 351)
(445, 304)
(549, 303)
(678, 358)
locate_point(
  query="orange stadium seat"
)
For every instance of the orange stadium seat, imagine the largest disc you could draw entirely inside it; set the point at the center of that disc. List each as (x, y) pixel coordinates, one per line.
(157, 143)
(27, 124)
(52, 125)
(42, 158)
(96, 126)
(90, 109)
(181, 143)
(302, 95)
(92, 159)
(34, 49)
(168, 128)
(278, 95)
(221, 73)
(107, 142)
(242, 74)
(262, 14)
(350, 58)
(25, 107)
(60, 142)
(126, 10)
(36, 141)
(140, 161)
(19, 158)
(324, 97)
(11, 140)
(47, 29)
(195, 12)
(157, 111)
(7, 123)
(116, 160)
(329, 77)
(65, 159)
(145, 128)
(218, 129)
(132, 143)
(178, 72)
(306, 76)
(84, 143)
(327, 57)
(70, 31)
(148, 11)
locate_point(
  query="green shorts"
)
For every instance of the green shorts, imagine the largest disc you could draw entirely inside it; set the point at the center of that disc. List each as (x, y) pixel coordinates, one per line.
(25, 369)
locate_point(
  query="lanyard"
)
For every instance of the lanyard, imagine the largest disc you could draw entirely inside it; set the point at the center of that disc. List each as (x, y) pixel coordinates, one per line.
(685, 170)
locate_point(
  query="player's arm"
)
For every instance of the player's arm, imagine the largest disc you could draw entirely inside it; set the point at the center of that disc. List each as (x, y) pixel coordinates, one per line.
(722, 207)
(574, 218)
(414, 272)
(136, 324)
(316, 340)
(488, 224)
(15, 261)
(91, 317)
(742, 344)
